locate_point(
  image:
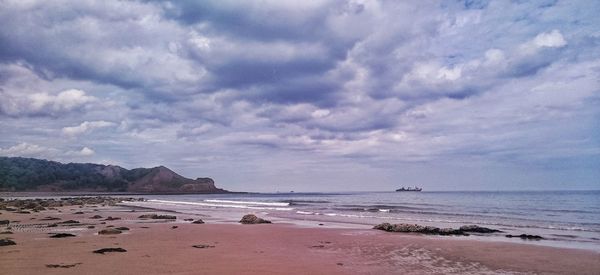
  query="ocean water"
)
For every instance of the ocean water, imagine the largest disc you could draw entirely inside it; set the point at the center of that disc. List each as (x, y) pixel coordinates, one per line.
(564, 218)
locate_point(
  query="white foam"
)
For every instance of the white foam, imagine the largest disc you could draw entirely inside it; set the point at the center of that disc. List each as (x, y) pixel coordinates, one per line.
(304, 213)
(250, 202)
(218, 205)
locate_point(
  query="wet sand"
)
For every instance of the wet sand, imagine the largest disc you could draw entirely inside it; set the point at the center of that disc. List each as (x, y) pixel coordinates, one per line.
(155, 247)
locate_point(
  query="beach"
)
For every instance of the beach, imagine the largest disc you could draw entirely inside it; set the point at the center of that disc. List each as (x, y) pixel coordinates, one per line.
(159, 246)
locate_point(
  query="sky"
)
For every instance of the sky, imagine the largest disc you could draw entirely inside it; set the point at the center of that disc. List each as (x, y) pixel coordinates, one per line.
(340, 95)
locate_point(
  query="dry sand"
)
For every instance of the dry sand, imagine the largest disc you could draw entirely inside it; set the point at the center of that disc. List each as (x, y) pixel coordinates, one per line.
(260, 249)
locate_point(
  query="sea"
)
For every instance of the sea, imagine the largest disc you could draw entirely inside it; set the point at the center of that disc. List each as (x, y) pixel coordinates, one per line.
(564, 218)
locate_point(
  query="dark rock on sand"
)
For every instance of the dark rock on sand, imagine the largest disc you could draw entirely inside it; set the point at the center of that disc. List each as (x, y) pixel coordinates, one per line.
(157, 217)
(62, 235)
(110, 249)
(49, 219)
(526, 237)
(5, 232)
(52, 225)
(62, 265)
(68, 222)
(253, 219)
(4, 222)
(478, 229)
(198, 221)
(5, 242)
(203, 246)
(112, 219)
(96, 217)
(78, 213)
(415, 228)
(452, 231)
(188, 220)
(23, 212)
(122, 228)
(91, 227)
(109, 231)
(174, 227)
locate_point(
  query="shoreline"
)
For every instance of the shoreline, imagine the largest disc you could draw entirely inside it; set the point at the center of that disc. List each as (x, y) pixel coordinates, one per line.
(256, 249)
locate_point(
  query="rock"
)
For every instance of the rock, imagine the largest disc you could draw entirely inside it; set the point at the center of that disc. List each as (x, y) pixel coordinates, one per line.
(5, 242)
(452, 231)
(91, 227)
(198, 221)
(78, 213)
(23, 212)
(384, 226)
(203, 246)
(62, 265)
(62, 235)
(415, 228)
(110, 249)
(111, 218)
(109, 231)
(174, 227)
(53, 225)
(4, 222)
(68, 222)
(526, 237)
(49, 219)
(122, 228)
(96, 217)
(253, 219)
(157, 217)
(477, 229)
(5, 232)
(188, 220)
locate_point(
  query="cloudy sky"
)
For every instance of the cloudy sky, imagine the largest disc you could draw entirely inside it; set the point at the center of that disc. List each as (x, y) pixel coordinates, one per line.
(310, 95)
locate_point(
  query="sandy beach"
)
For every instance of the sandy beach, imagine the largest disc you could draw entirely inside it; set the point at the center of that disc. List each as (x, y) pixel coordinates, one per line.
(159, 246)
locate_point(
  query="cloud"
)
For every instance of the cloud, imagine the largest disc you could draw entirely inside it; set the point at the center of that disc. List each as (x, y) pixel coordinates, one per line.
(270, 88)
(25, 149)
(84, 152)
(86, 127)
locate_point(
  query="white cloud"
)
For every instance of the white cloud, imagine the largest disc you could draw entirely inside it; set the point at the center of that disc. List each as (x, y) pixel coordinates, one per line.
(25, 149)
(84, 152)
(86, 127)
(553, 39)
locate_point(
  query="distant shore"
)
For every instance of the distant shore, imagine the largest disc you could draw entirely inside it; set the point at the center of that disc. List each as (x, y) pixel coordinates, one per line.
(89, 193)
(159, 246)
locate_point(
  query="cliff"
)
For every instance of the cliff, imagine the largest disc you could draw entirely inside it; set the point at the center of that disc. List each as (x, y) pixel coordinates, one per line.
(28, 174)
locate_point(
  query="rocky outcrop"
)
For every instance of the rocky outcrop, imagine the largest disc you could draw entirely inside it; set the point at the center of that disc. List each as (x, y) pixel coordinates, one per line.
(5, 242)
(415, 228)
(33, 204)
(198, 221)
(432, 230)
(526, 237)
(157, 217)
(253, 219)
(203, 246)
(110, 249)
(62, 235)
(477, 229)
(109, 231)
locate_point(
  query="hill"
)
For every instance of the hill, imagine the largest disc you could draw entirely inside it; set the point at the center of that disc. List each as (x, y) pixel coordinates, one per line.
(29, 174)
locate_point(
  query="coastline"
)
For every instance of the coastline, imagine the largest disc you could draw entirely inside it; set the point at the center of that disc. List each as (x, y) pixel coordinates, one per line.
(156, 247)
